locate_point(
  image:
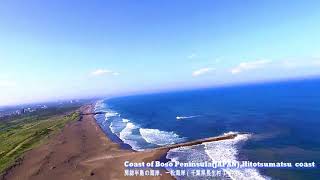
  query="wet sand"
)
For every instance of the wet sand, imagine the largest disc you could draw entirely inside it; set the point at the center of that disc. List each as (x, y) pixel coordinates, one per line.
(80, 151)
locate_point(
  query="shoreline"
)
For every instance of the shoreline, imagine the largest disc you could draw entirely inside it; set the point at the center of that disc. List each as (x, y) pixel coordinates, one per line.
(80, 151)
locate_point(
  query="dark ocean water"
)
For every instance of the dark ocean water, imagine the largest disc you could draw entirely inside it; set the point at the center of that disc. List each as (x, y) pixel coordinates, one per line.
(282, 121)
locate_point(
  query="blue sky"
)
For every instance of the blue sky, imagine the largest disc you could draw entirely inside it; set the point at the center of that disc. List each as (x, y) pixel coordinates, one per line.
(58, 49)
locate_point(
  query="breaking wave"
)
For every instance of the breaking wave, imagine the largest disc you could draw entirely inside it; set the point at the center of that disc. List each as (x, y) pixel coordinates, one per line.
(161, 138)
(186, 117)
(225, 150)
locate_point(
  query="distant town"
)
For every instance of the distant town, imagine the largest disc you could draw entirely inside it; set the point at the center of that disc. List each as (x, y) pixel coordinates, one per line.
(29, 108)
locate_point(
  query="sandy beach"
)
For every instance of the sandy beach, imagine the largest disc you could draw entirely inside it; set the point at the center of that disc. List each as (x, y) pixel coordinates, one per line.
(80, 151)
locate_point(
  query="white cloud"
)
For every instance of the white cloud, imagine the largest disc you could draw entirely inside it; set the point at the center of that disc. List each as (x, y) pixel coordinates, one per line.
(192, 56)
(7, 83)
(307, 62)
(100, 72)
(217, 60)
(245, 66)
(202, 71)
(316, 60)
(290, 64)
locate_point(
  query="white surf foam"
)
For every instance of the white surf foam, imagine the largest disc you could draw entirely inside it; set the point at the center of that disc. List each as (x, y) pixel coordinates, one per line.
(188, 154)
(186, 117)
(107, 115)
(227, 150)
(127, 136)
(127, 131)
(110, 114)
(155, 136)
(99, 105)
(112, 128)
(121, 127)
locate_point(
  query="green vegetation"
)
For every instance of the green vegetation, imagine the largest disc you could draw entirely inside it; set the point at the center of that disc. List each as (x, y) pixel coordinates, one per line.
(21, 133)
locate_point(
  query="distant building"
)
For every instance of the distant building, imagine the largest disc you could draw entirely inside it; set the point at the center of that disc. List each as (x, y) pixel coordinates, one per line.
(18, 112)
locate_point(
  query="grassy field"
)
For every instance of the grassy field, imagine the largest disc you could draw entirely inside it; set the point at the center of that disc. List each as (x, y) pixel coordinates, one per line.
(21, 133)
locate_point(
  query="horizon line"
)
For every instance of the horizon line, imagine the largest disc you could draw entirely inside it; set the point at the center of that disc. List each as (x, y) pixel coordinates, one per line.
(169, 90)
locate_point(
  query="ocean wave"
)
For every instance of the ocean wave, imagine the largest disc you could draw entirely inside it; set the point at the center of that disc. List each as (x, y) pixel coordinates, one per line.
(130, 133)
(188, 154)
(121, 127)
(130, 138)
(99, 106)
(116, 126)
(126, 136)
(110, 114)
(127, 131)
(107, 115)
(112, 128)
(186, 117)
(225, 150)
(161, 138)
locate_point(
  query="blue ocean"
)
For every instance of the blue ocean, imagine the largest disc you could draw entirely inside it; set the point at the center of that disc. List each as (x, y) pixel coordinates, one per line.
(278, 122)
